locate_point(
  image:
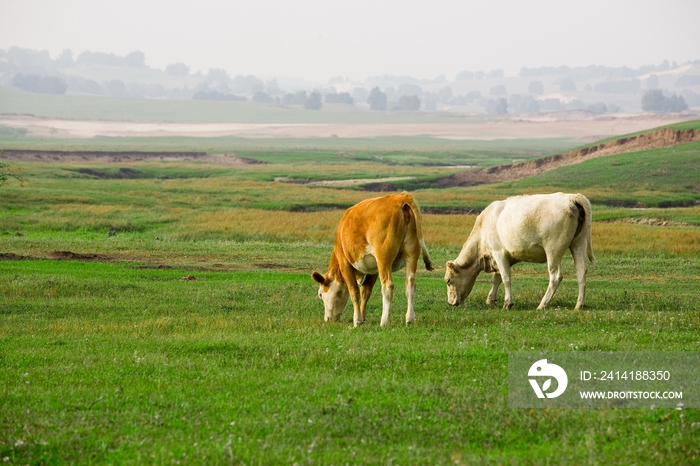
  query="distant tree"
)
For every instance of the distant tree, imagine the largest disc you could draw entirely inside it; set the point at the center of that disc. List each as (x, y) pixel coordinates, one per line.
(473, 95)
(598, 107)
(465, 76)
(497, 107)
(217, 75)
(342, 98)
(65, 60)
(272, 87)
(116, 88)
(216, 95)
(653, 101)
(28, 57)
(479, 75)
(444, 95)
(12, 132)
(262, 97)
(40, 84)
(298, 98)
(498, 90)
(178, 69)
(360, 94)
(409, 102)
(575, 104)
(514, 101)
(502, 107)
(675, 104)
(535, 87)
(135, 59)
(377, 100)
(495, 74)
(248, 83)
(529, 105)
(430, 102)
(409, 89)
(313, 102)
(567, 84)
(652, 82)
(550, 105)
(93, 87)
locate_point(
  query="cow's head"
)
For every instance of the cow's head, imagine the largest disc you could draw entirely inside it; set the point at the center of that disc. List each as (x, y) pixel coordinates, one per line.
(334, 294)
(459, 281)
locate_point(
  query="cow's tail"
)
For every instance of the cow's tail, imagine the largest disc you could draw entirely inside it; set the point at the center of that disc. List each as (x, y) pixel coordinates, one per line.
(410, 202)
(585, 223)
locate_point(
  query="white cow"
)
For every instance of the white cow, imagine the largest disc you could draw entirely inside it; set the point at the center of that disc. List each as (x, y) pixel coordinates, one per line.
(537, 228)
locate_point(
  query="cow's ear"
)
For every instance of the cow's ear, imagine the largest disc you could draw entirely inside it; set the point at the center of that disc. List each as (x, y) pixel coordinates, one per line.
(320, 279)
(451, 266)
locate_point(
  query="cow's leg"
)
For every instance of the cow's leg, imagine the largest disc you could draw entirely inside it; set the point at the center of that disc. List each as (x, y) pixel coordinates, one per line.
(351, 281)
(387, 289)
(387, 297)
(504, 269)
(578, 251)
(365, 292)
(555, 275)
(411, 266)
(496, 281)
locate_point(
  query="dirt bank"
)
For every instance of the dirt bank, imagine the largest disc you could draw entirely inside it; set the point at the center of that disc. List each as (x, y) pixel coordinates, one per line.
(653, 140)
(130, 156)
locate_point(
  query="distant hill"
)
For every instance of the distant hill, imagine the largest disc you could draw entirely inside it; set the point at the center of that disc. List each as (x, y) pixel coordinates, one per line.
(544, 89)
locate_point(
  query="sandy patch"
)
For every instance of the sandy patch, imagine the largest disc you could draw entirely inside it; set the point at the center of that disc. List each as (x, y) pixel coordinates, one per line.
(577, 125)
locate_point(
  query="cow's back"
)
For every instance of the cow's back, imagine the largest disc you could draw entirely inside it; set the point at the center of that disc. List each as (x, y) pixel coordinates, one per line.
(526, 221)
(371, 222)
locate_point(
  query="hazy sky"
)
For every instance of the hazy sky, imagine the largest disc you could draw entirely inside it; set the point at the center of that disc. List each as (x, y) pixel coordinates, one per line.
(319, 39)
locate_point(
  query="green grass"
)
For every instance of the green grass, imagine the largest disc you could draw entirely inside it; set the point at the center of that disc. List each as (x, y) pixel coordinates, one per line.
(186, 328)
(112, 363)
(653, 178)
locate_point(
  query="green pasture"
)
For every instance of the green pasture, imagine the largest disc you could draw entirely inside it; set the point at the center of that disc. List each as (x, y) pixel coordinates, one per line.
(122, 363)
(163, 313)
(15, 101)
(380, 152)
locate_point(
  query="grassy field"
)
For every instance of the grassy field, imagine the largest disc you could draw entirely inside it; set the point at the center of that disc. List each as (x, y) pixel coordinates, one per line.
(201, 111)
(169, 318)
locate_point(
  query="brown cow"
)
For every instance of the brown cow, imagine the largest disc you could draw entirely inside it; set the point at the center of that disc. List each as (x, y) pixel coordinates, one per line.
(374, 238)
